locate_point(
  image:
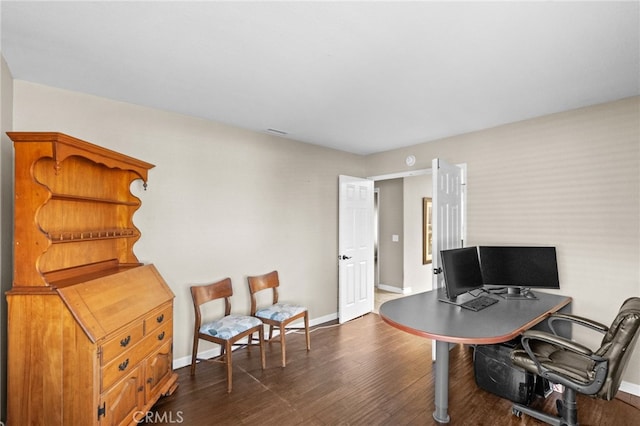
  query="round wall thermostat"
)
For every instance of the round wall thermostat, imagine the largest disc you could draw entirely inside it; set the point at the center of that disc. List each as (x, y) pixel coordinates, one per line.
(410, 160)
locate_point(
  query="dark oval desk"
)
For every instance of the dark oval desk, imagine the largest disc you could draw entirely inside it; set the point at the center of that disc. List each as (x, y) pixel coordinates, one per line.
(424, 315)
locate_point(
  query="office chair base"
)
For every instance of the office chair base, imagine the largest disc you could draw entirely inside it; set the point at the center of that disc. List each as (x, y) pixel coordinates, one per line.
(567, 411)
(518, 410)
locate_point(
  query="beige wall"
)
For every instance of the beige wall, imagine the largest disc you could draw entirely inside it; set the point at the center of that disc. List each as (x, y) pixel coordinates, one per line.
(417, 276)
(6, 218)
(228, 202)
(390, 217)
(221, 201)
(571, 180)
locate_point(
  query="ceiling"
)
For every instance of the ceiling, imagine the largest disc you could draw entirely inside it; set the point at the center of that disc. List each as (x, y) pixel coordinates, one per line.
(362, 77)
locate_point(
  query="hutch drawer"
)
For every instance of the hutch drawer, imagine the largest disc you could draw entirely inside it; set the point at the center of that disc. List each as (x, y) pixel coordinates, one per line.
(122, 342)
(158, 318)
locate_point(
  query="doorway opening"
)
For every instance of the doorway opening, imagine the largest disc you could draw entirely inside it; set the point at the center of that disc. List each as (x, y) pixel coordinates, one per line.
(398, 228)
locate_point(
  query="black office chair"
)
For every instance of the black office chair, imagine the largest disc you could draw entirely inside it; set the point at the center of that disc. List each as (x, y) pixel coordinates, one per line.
(596, 373)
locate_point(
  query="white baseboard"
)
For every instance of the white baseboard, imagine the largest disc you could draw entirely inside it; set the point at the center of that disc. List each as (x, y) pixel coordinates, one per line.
(631, 388)
(210, 353)
(393, 289)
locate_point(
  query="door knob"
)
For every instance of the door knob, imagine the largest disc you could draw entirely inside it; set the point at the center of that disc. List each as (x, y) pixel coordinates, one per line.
(343, 257)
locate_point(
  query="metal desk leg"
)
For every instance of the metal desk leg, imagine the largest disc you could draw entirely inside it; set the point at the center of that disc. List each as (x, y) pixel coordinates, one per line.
(442, 382)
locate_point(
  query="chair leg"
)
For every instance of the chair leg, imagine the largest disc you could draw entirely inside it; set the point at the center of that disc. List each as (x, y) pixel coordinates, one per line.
(249, 340)
(228, 360)
(306, 330)
(283, 345)
(261, 341)
(194, 355)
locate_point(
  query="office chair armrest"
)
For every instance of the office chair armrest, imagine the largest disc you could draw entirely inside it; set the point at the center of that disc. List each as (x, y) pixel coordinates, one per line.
(600, 364)
(554, 340)
(575, 319)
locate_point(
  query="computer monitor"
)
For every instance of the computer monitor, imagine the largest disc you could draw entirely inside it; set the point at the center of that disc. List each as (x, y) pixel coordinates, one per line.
(518, 268)
(461, 269)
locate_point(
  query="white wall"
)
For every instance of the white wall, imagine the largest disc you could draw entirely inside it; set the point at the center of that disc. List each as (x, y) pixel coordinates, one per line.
(571, 180)
(221, 201)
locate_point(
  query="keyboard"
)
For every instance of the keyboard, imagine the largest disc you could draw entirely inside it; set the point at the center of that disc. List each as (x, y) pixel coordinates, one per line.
(479, 303)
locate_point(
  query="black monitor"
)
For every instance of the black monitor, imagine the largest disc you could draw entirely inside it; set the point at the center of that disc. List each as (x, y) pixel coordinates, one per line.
(518, 268)
(461, 269)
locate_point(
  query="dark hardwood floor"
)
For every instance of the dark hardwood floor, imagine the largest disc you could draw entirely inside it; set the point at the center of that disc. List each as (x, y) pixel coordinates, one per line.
(364, 372)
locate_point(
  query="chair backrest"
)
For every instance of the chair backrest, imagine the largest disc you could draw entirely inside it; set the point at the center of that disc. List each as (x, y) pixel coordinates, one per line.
(618, 344)
(263, 282)
(202, 294)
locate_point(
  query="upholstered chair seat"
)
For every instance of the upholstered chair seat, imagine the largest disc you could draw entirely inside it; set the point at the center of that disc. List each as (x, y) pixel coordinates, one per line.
(230, 326)
(280, 311)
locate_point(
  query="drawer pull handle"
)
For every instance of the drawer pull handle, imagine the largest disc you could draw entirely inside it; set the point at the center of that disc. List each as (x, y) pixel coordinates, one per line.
(123, 365)
(160, 318)
(161, 336)
(124, 342)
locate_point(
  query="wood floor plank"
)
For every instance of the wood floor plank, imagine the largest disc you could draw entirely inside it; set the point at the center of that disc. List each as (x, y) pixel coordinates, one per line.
(364, 372)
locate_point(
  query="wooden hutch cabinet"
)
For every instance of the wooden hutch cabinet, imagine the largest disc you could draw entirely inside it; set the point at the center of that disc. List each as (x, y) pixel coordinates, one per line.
(90, 329)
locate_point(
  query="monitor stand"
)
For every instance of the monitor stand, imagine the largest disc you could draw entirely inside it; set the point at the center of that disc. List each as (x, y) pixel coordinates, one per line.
(460, 299)
(519, 294)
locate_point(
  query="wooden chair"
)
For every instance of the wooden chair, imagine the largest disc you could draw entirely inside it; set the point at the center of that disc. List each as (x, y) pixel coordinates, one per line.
(225, 331)
(277, 314)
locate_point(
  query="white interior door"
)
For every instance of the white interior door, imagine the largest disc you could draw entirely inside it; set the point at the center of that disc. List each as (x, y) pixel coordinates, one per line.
(448, 209)
(449, 216)
(355, 248)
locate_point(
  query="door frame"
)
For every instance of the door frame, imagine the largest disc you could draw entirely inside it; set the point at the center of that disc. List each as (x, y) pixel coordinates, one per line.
(398, 175)
(429, 171)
